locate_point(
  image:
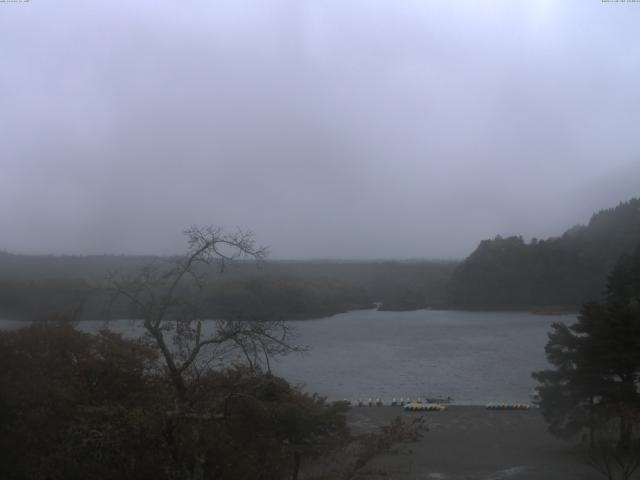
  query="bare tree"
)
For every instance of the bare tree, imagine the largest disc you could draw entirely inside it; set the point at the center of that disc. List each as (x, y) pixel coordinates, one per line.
(170, 298)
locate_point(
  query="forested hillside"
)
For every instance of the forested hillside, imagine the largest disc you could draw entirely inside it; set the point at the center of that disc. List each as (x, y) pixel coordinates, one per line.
(41, 286)
(504, 273)
(557, 273)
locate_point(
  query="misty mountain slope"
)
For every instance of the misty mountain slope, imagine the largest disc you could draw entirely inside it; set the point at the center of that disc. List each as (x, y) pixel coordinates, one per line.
(45, 286)
(562, 272)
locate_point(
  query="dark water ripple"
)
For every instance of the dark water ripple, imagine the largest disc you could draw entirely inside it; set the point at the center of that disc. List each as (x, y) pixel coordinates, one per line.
(474, 357)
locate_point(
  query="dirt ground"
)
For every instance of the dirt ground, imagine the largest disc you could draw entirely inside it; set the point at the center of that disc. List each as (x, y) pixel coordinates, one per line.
(465, 443)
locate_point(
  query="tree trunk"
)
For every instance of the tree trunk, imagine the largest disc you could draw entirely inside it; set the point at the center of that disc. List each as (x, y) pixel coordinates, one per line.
(624, 440)
(592, 423)
(628, 397)
(296, 465)
(174, 372)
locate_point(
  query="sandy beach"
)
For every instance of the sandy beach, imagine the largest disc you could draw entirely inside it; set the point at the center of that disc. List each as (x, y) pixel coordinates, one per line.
(465, 443)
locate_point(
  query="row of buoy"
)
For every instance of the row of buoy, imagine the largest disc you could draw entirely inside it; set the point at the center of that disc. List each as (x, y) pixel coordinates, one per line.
(418, 404)
(394, 403)
(406, 401)
(508, 406)
(424, 407)
(369, 403)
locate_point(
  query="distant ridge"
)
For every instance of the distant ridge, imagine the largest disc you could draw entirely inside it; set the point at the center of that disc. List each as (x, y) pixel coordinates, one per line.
(556, 273)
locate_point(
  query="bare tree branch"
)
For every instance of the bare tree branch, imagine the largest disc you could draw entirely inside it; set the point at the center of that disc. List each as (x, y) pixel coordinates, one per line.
(170, 302)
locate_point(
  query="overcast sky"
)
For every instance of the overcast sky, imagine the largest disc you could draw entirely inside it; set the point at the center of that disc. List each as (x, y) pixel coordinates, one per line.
(332, 129)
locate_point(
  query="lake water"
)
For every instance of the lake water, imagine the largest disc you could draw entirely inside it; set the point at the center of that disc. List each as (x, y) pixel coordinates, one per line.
(474, 357)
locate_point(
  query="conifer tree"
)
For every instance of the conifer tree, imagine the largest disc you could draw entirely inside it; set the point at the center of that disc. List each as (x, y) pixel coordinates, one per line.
(597, 361)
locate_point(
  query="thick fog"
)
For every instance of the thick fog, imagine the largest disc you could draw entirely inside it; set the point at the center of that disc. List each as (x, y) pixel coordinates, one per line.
(332, 129)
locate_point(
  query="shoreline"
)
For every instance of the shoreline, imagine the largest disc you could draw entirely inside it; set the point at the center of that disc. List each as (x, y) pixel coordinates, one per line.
(538, 311)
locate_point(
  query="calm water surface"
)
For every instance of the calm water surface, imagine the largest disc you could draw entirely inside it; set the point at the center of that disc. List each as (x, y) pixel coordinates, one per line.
(474, 357)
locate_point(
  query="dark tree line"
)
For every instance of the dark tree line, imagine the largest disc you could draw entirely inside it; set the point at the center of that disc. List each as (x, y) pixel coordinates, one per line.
(267, 296)
(504, 273)
(35, 288)
(557, 273)
(249, 296)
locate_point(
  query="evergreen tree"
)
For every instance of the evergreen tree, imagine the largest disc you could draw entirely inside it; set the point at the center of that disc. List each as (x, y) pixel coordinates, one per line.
(597, 361)
(556, 273)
